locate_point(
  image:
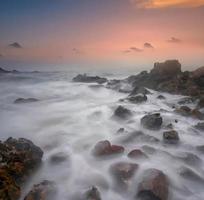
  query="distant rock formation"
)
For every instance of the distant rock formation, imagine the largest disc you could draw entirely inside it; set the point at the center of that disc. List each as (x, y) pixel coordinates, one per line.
(89, 79)
(15, 45)
(7, 71)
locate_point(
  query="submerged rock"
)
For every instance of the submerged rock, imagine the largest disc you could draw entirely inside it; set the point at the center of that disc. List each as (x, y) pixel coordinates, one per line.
(122, 113)
(104, 148)
(171, 136)
(152, 121)
(137, 154)
(139, 90)
(89, 79)
(23, 100)
(122, 172)
(154, 186)
(93, 194)
(161, 97)
(187, 112)
(201, 102)
(59, 158)
(139, 98)
(45, 190)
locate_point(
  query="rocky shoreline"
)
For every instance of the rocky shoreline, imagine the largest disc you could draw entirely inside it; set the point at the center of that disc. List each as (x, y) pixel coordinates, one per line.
(20, 158)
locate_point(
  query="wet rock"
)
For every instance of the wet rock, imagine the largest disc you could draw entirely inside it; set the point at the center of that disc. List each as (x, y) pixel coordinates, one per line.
(187, 112)
(122, 172)
(104, 148)
(120, 130)
(184, 110)
(200, 148)
(200, 126)
(189, 158)
(197, 114)
(93, 194)
(171, 137)
(189, 174)
(161, 97)
(122, 113)
(89, 79)
(23, 100)
(139, 90)
(139, 98)
(168, 68)
(137, 154)
(149, 150)
(58, 158)
(45, 190)
(154, 186)
(201, 102)
(186, 100)
(169, 126)
(152, 121)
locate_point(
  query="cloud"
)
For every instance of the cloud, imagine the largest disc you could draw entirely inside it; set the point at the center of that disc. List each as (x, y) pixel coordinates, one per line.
(15, 45)
(174, 40)
(133, 49)
(77, 51)
(1, 56)
(148, 45)
(148, 4)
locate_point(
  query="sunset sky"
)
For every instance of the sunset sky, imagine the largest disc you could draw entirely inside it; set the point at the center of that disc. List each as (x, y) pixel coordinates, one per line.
(112, 32)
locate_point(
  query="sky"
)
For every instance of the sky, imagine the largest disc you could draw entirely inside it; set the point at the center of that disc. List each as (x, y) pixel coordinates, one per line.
(124, 33)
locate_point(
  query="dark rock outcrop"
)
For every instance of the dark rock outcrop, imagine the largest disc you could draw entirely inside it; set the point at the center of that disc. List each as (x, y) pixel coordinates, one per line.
(122, 113)
(3, 71)
(45, 190)
(19, 158)
(154, 186)
(89, 79)
(139, 90)
(171, 137)
(23, 100)
(105, 148)
(139, 98)
(152, 121)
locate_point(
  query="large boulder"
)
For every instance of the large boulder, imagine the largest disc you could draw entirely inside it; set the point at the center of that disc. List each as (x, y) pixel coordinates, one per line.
(105, 148)
(154, 186)
(152, 121)
(168, 68)
(46, 190)
(122, 113)
(89, 79)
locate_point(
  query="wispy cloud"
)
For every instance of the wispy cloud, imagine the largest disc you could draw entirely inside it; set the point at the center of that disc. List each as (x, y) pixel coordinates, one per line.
(174, 40)
(167, 3)
(133, 49)
(148, 45)
(15, 45)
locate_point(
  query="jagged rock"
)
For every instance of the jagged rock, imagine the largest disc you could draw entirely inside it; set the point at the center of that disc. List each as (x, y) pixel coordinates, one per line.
(154, 186)
(58, 158)
(161, 97)
(139, 90)
(139, 98)
(137, 154)
(45, 190)
(89, 79)
(168, 68)
(152, 121)
(93, 194)
(19, 158)
(170, 136)
(104, 148)
(122, 113)
(23, 100)
(122, 172)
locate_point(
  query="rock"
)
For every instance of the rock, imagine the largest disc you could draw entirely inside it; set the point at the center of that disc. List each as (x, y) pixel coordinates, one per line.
(139, 98)
(122, 113)
(170, 136)
(3, 71)
(19, 158)
(137, 154)
(198, 72)
(120, 130)
(189, 158)
(28, 100)
(167, 68)
(187, 112)
(154, 186)
(89, 79)
(122, 172)
(58, 158)
(161, 97)
(186, 100)
(148, 149)
(200, 126)
(152, 121)
(139, 90)
(200, 148)
(197, 114)
(104, 148)
(169, 126)
(93, 194)
(184, 110)
(45, 190)
(201, 102)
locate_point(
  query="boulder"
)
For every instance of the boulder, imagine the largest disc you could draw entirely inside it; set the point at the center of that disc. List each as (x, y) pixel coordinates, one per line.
(184, 110)
(137, 154)
(93, 194)
(201, 102)
(152, 121)
(58, 158)
(23, 100)
(105, 148)
(139, 90)
(154, 186)
(89, 79)
(46, 190)
(122, 172)
(161, 97)
(170, 136)
(122, 113)
(167, 68)
(198, 72)
(139, 98)
(187, 112)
